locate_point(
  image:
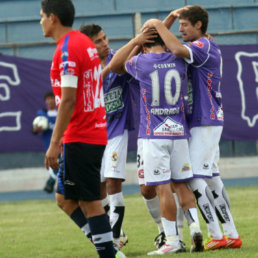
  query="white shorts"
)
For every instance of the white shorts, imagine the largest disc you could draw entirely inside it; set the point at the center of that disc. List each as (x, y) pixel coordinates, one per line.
(139, 161)
(114, 158)
(166, 160)
(204, 150)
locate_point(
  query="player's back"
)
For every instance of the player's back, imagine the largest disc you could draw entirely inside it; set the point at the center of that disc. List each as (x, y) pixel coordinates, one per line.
(161, 78)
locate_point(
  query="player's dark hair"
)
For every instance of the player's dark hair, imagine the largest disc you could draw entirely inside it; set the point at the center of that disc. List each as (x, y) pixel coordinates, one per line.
(63, 9)
(157, 41)
(194, 14)
(90, 29)
(49, 94)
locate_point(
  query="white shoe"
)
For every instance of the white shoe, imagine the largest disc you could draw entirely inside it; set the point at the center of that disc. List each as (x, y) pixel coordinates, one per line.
(167, 249)
(119, 254)
(123, 239)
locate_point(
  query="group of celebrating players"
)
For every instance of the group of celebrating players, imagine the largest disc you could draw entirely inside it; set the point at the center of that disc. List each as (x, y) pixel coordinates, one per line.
(180, 125)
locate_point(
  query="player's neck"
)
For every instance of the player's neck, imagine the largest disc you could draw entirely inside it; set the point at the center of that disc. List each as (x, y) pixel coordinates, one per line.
(60, 31)
(156, 49)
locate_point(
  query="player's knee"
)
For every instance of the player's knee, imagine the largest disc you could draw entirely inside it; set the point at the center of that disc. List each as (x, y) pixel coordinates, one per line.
(148, 192)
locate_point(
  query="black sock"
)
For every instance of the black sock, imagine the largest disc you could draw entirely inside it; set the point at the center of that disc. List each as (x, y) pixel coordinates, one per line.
(81, 221)
(102, 236)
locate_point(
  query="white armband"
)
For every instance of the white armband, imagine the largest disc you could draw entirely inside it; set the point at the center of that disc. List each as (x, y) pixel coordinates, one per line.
(69, 81)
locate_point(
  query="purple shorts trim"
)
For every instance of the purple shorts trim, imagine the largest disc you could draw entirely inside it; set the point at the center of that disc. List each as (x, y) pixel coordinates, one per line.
(158, 183)
(216, 174)
(182, 180)
(201, 176)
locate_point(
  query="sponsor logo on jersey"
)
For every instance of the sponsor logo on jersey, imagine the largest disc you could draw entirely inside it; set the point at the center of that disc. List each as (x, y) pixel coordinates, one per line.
(69, 63)
(220, 114)
(169, 127)
(186, 167)
(114, 156)
(64, 54)
(198, 43)
(113, 100)
(92, 52)
(206, 166)
(141, 173)
(100, 125)
(156, 172)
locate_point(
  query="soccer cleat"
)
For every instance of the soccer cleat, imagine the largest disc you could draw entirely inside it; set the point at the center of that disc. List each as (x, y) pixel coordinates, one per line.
(123, 239)
(160, 240)
(233, 242)
(119, 254)
(183, 246)
(168, 249)
(197, 243)
(213, 244)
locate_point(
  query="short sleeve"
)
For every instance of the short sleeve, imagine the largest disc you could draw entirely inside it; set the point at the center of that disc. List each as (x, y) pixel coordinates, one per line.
(199, 51)
(131, 66)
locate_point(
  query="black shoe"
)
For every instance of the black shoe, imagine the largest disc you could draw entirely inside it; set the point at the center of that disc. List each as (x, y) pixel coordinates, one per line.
(49, 187)
(160, 240)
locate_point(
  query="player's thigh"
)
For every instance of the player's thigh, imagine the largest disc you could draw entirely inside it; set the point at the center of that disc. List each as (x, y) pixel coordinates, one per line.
(203, 146)
(181, 169)
(156, 158)
(140, 162)
(82, 171)
(114, 160)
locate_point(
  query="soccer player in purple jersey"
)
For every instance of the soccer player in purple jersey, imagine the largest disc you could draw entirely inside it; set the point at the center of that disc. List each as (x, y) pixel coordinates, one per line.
(163, 130)
(119, 122)
(205, 119)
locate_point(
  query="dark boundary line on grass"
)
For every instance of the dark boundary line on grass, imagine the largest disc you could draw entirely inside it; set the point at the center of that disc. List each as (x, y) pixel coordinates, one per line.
(127, 189)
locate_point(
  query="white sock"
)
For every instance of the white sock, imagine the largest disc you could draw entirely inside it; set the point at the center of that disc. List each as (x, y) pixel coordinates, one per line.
(204, 200)
(117, 208)
(180, 218)
(154, 210)
(221, 202)
(170, 230)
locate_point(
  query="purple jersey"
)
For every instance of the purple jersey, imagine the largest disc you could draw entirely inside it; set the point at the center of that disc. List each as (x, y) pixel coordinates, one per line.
(117, 102)
(161, 78)
(205, 99)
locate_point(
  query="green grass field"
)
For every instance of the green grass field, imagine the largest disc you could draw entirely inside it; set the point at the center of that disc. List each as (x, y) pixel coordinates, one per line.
(40, 229)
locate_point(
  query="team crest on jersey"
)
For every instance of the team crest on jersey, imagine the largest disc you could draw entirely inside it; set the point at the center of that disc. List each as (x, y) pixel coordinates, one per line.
(186, 167)
(141, 173)
(169, 127)
(198, 43)
(114, 156)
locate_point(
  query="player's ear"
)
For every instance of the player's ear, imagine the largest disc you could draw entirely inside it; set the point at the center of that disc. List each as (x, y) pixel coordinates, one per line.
(198, 25)
(53, 18)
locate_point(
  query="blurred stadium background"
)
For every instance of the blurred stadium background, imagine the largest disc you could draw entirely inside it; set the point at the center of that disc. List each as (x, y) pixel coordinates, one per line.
(232, 22)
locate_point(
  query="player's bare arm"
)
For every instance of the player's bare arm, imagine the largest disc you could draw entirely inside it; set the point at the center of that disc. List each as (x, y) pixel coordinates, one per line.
(173, 15)
(171, 41)
(64, 115)
(117, 64)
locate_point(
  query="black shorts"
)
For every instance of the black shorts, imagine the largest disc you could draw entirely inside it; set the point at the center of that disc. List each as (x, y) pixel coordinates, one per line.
(80, 179)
